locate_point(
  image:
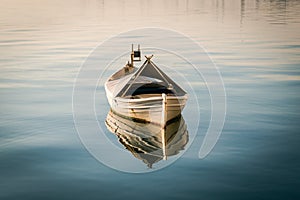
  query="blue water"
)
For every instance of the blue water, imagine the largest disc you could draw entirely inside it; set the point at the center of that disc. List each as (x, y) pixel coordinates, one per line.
(255, 44)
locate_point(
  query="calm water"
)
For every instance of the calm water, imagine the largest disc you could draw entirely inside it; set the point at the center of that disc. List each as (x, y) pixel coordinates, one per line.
(256, 45)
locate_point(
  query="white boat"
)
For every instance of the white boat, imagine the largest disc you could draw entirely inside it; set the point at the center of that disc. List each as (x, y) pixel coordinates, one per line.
(147, 141)
(145, 93)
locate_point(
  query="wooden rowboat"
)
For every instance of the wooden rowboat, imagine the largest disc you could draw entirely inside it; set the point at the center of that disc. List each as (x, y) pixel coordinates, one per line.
(145, 93)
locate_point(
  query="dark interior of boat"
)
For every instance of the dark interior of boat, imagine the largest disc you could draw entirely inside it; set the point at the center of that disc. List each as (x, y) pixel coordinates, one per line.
(151, 88)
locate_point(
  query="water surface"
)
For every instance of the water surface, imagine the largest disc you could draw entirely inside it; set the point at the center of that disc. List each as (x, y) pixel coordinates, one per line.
(256, 46)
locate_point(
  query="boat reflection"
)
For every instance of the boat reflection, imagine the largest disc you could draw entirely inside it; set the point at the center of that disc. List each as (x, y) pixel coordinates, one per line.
(148, 142)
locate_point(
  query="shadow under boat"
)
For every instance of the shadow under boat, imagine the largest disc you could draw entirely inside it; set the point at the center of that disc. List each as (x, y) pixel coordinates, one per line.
(149, 142)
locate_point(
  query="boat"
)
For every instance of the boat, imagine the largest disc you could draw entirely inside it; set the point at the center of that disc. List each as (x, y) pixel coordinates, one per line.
(149, 142)
(146, 93)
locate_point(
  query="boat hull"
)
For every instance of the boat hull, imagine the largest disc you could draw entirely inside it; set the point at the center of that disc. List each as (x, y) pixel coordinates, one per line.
(149, 109)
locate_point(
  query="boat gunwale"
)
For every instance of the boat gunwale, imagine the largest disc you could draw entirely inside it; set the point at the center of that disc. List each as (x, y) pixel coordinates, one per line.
(159, 98)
